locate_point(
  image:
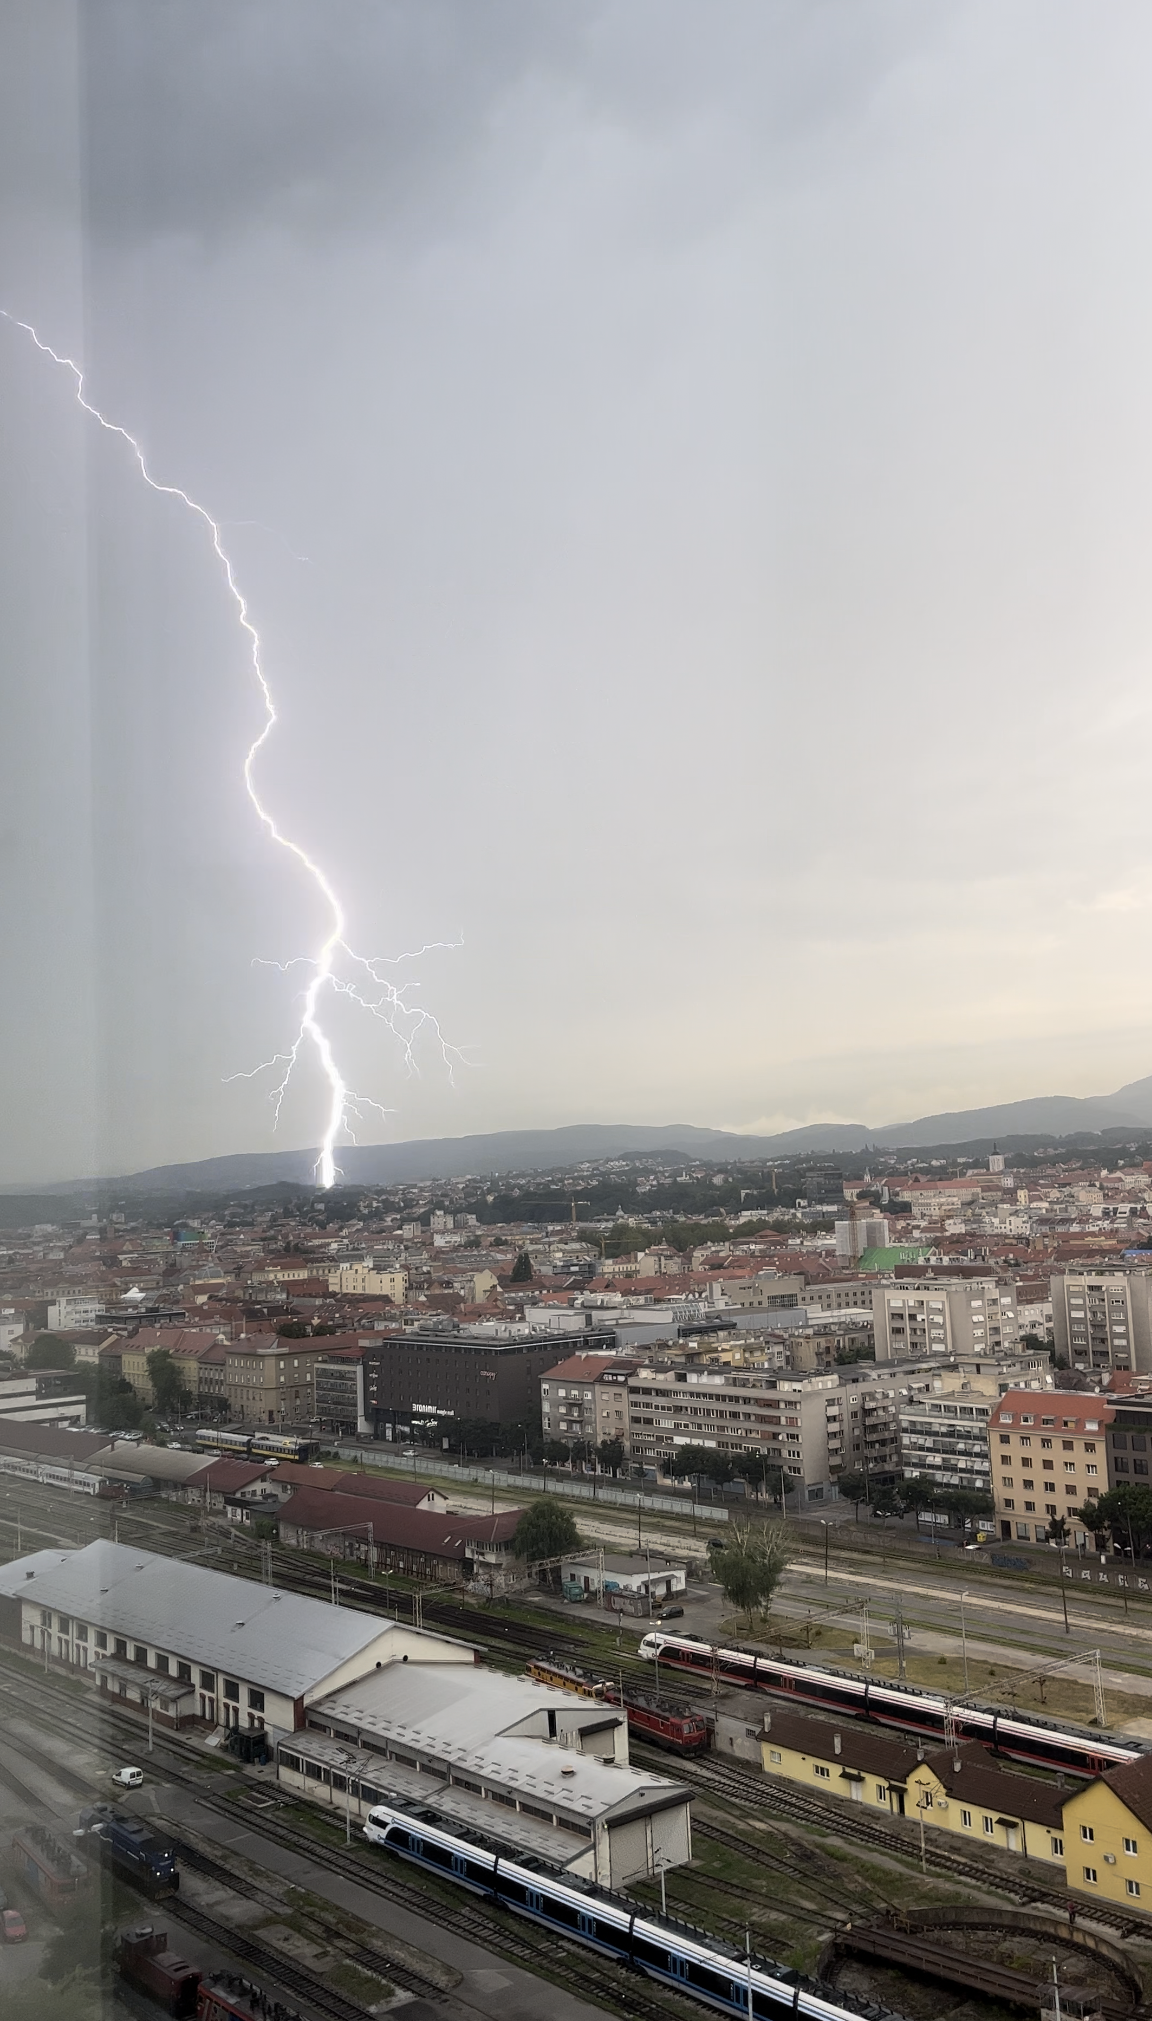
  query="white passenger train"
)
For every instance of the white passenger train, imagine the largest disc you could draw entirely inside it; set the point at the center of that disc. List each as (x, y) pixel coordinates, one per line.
(692, 1961)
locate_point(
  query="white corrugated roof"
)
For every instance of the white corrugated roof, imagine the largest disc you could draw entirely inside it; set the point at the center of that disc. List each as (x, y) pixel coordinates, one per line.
(278, 1640)
(470, 1720)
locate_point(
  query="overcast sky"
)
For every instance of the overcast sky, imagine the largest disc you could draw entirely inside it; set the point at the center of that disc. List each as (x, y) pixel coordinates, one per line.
(690, 467)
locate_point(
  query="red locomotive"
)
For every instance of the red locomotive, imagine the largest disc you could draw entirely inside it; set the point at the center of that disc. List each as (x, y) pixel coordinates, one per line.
(144, 1960)
(676, 1728)
(681, 1731)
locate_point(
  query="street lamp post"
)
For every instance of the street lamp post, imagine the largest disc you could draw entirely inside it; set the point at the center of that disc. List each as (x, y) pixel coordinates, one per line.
(922, 1802)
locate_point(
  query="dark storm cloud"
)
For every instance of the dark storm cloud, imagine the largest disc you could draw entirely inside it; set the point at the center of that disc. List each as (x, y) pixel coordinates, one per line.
(208, 117)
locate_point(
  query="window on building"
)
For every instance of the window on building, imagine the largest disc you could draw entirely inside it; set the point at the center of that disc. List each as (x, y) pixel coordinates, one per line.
(101, 1639)
(1132, 1887)
(184, 1672)
(819, 1770)
(966, 1819)
(774, 1754)
(1130, 1846)
(255, 1700)
(1090, 1874)
(207, 1680)
(1057, 1848)
(881, 1793)
(1088, 1834)
(989, 1827)
(121, 1647)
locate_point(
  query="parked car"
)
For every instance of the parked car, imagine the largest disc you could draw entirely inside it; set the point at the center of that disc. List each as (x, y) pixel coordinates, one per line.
(128, 1778)
(671, 1614)
(13, 1928)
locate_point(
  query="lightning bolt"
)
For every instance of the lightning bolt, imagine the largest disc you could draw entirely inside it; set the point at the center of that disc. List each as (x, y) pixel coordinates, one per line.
(367, 986)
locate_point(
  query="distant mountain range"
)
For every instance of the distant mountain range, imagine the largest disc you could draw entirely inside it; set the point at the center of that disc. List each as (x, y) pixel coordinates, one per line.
(1014, 1125)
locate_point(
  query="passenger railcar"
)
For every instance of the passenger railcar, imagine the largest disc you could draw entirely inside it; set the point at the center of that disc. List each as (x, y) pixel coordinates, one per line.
(284, 1446)
(691, 1961)
(210, 1439)
(1039, 1741)
(258, 1445)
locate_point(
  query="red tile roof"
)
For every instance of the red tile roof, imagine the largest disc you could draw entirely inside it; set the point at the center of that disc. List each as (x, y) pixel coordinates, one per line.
(1070, 1410)
(226, 1477)
(407, 1529)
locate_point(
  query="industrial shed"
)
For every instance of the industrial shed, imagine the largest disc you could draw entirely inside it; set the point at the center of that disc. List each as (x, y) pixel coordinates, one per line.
(543, 1770)
(196, 1644)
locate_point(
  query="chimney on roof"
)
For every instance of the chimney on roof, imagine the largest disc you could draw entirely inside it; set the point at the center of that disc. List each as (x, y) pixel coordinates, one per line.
(836, 1743)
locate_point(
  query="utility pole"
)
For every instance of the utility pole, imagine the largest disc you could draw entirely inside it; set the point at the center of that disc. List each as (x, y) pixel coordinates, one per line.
(964, 1638)
(1063, 1598)
(899, 1632)
(824, 1527)
(748, 1948)
(1098, 1683)
(865, 1644)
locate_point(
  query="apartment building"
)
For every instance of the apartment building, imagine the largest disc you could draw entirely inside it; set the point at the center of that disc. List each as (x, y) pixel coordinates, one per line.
(1049, 1456)
(270, 1381)
(858, 1233)
(1102, 1319)
(735, 1411)
(339, 1381)
(862, 1421)
(945, 1436)
(69, 1310)
(584, 1400)
(931, 1315)
(1129, 1438)
(363, 1280)
(840, 1294)
(766, 1292)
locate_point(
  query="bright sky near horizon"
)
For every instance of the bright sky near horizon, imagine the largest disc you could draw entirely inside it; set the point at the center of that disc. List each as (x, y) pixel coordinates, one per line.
(719, 435)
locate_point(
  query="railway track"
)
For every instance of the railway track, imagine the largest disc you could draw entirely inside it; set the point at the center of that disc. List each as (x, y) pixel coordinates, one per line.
(201, 1862)
(495, 1930)
(786, 1801)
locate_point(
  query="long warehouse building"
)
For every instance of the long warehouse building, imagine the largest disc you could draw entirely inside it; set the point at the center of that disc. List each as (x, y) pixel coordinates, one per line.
(196, 1644)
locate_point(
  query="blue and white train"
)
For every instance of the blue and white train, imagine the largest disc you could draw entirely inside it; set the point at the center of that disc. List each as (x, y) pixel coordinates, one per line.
(690, 1960)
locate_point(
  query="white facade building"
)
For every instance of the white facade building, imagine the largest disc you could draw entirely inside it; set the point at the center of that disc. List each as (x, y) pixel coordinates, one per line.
(944, 1315)
(81, 1311)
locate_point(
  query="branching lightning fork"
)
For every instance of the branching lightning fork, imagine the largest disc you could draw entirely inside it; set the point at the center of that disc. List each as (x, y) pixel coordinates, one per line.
(336, 968)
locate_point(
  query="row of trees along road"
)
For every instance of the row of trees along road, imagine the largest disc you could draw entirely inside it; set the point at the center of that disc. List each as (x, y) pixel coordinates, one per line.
(913, 1497)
